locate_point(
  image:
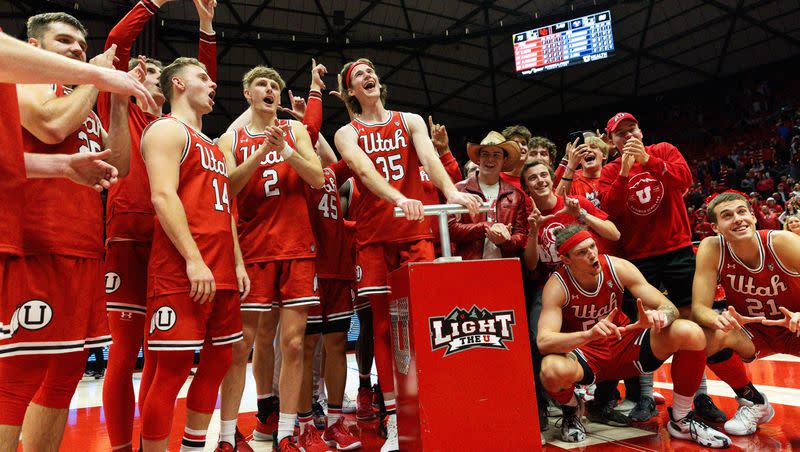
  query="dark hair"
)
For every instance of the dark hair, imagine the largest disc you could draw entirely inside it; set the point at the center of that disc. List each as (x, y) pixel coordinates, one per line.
(562, 235)
(719, 199)
(542, 142)
(530, 165)
(37, 25)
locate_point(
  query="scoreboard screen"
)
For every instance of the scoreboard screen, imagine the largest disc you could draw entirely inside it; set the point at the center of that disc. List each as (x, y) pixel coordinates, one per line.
(562, 44)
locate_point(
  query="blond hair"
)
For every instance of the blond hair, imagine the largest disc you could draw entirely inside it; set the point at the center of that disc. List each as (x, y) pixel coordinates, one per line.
(262, 72)
(174, 69)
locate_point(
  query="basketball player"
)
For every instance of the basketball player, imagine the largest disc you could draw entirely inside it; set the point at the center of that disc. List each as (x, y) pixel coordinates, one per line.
(195, 273)
(385, 149)
(56, 316)
(129, 224)
(586, 338)
(276, 161)
(21, 376)
(331, 318)
(760, 272)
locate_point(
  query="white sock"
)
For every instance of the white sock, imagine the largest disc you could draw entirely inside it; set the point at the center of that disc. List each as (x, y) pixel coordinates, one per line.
(286, 425)
(681, 405)
(193, 440)
(264, 396)
(227, 431)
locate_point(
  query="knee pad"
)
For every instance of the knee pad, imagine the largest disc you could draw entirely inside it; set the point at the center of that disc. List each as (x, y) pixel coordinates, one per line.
(64, 372)
(20, 378)
(215, 360)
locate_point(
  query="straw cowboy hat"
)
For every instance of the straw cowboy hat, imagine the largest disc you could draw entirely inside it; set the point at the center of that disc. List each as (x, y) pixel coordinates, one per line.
(496, 140)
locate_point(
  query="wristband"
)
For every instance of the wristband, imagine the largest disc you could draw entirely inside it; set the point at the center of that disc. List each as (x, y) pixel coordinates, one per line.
(287, 151)
(568, 179)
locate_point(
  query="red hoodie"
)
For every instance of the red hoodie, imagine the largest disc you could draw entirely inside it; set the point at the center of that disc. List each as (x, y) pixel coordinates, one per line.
(647, 206)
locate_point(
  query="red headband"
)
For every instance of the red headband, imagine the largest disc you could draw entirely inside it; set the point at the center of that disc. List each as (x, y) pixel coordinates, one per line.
(571, 242)
(736, 192)
(350, 71)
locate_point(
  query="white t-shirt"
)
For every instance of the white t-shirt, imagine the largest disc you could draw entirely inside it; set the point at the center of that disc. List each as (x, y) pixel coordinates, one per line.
(490, 250)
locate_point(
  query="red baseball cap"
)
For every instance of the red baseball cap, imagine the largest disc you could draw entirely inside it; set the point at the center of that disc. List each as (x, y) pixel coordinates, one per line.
(612, 124)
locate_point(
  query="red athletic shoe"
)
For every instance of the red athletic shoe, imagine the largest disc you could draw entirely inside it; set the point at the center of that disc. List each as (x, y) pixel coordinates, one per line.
(364, 411)
(286, 445)
(311, 441)
(264, 430)
(241, 442)
(341, 437)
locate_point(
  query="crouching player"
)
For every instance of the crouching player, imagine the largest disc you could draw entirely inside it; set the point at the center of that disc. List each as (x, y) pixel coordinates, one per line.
(586, 338)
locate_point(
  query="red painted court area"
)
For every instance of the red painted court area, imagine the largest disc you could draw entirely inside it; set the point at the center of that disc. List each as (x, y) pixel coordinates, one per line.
(778, 377)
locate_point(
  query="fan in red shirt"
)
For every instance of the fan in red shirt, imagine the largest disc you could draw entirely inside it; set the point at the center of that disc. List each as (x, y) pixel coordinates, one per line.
(520, 135)
(760, 273)
(645, 186)
(196, 273)
(129, 221)
(385, 150)
(586, 180)
(276, 161)
(551, 213)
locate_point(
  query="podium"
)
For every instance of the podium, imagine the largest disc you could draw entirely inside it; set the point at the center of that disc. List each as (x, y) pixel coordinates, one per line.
(462, 361)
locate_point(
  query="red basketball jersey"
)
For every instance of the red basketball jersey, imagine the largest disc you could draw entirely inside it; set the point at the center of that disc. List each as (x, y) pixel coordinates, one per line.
(12, 172)
(129, 211)
(335, 258)
(60, 216)
(274, 222)
(758, 291)
(203, 189)
(582, 309)
(388, 145)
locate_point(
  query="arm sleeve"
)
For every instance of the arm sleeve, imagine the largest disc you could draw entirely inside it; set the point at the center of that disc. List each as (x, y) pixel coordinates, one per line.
(342, 172)
(123, 35)
(591, 209)
(207, 53)
(313, 116)
(451, 166)
(668, 165)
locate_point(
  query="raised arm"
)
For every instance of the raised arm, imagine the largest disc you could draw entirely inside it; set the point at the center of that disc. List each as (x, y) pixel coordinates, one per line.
(52, 119)
(162, 147)
(118, 137)
(304, 160)
(126, 31)
(207, 47)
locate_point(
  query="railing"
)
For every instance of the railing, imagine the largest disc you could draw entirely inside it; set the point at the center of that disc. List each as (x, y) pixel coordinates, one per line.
(442, 211)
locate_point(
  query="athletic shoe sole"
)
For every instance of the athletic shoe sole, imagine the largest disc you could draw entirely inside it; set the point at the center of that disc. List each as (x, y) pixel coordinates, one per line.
(676, 433)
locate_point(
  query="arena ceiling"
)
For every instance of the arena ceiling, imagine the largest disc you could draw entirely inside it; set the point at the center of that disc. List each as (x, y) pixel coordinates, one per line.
(454, 58)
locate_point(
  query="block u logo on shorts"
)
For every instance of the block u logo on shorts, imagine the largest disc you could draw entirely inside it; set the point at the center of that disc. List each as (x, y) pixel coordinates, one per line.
(163, 319)
(32, 315)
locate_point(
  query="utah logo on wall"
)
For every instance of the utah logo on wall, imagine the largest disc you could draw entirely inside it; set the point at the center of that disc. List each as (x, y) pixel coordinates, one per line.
(462, 330)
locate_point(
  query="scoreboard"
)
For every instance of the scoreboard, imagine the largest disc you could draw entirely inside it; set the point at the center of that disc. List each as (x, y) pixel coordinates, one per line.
(575, 41)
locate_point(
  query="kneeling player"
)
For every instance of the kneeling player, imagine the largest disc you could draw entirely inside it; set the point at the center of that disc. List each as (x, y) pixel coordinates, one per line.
(587, 339)
(760, 272)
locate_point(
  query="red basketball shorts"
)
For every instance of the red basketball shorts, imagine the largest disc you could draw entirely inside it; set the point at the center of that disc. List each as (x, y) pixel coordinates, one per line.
(62, 308)
(614, 359)
(13, 279)
(376, 260)
(175, 322)
(126, 277)
(333, 313)
(771, 340)
(281, 284)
